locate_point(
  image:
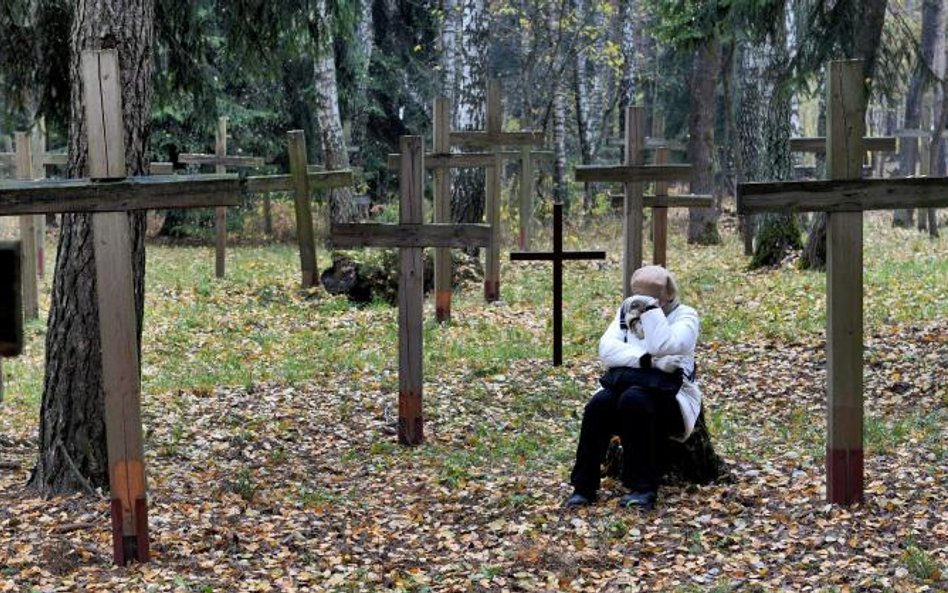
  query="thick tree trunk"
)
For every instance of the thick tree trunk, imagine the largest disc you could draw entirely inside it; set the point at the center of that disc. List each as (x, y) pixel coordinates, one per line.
(467, 200)
(703, 222)
(335, 152)
(72, 415)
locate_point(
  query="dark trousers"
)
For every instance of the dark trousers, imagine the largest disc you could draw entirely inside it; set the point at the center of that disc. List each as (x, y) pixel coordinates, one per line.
(643, 417)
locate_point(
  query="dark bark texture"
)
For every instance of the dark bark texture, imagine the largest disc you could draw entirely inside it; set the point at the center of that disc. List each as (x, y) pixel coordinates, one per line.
(703, 222)
(72, 416)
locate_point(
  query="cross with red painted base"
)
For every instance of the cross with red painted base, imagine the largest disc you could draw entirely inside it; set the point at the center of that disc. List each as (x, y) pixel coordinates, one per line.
(844, 197)
(109, 195)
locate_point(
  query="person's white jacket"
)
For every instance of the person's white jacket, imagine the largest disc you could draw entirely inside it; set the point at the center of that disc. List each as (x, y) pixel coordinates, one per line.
(674, 335)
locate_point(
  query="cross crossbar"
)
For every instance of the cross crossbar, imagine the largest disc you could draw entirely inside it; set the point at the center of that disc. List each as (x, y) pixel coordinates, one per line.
(49, 196)
(249, 162)
(632, 173)
(410, 235)
(490, 139)
(451, 160)
(817, 144)
(843, 195)
(283, 183)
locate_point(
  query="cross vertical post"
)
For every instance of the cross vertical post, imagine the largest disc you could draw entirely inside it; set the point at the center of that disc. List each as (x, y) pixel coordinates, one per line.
(660, 215)
(301, 202)
(495, 118)
(443, 268)
(411, 295)
(633, 207)
(844, 260)
(220, 218)
(30, 285)
(526, 197)
(117, 315)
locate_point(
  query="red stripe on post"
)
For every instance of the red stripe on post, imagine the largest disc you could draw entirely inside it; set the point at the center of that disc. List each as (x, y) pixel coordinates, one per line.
(844, 476)
(492, 290)
(411, 424)
(443, 305)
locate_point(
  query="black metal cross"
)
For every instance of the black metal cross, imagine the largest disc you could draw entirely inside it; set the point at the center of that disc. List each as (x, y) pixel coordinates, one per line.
(557, 256)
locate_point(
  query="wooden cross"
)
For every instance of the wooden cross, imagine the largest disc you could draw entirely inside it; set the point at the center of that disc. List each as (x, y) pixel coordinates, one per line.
(441, 160)
(633, 173)
(494, 139)
(557, 256)
(301, 182)
(110, 194)
(411, 236)
(221, 162)
(844, 197)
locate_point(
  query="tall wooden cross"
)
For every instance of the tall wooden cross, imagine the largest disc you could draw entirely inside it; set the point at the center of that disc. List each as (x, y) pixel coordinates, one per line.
(633, 173)
(441, 160)
(557, 256)
(301, 182)
(494, 139)
(528, 158)
(109, 194)
(844, 197)
(411, 236)
(221, 163)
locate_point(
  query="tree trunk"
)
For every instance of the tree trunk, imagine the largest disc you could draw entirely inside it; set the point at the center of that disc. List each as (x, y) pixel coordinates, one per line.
(72, 416)
(868, 26)
(703, 222)
(908, 154)
(467, 199)
(584, 132)
(937, 142)
(335, 152)
(560, 183)
(777, 233)
(365, 32)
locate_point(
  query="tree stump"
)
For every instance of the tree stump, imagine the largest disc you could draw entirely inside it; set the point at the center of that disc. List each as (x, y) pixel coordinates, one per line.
(691, 462)
(365, 277)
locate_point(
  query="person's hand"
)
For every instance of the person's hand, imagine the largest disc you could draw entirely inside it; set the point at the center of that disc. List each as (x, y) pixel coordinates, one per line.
(669, 364)
(642, 302)
(631, 318)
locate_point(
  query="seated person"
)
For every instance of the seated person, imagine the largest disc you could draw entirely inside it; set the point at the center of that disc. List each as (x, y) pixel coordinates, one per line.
(648, 392)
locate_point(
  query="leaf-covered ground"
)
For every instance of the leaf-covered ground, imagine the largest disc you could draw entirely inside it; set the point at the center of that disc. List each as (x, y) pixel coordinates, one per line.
(273, 466)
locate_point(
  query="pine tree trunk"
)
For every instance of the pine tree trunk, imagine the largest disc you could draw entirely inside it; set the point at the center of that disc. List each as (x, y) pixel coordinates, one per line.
(335, 152)
(467, 200)
(703, 222)
(72, 415)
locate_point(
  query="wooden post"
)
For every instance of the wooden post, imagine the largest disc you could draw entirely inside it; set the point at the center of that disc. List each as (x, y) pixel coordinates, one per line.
(411, 296)
(221, 213)
(495, 118)
(844, 339)
(39, 146)
(304, 215)
(24, 171)
(117, 318)
(660, 215)
(443, 270)
(633, 216)
(526, 197)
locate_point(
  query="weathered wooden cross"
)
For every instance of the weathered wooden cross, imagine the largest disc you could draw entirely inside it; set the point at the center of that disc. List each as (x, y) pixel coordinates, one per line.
(494, 139)
(221, 162)
(301, 182)
(411, 236)
(528, 159)
(109, 194)
(441, 160)
(557, 256)
(633, 174)
(844, 197)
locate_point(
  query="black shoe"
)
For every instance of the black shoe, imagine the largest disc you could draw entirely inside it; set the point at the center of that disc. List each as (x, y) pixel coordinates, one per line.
(644, 501)
(580, 500)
